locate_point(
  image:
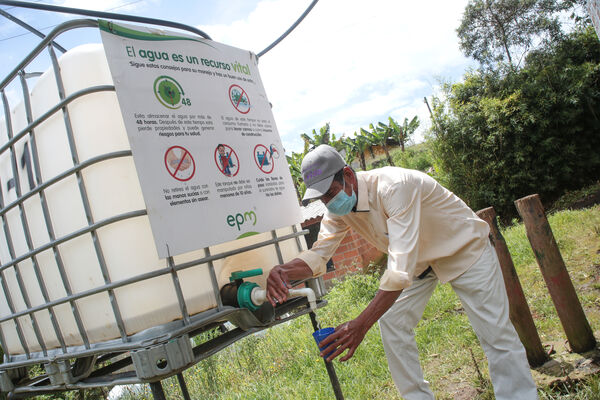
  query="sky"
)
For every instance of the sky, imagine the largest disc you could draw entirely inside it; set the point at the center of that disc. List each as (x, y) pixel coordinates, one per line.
(349, 63)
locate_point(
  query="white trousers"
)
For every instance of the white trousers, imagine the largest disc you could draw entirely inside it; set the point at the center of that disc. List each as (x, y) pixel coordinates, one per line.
(483, 295)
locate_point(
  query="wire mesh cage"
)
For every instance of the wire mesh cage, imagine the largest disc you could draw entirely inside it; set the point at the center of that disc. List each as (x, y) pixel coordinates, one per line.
(83, 290)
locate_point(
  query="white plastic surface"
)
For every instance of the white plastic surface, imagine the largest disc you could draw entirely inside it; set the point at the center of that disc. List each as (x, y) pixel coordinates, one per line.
(113, 188)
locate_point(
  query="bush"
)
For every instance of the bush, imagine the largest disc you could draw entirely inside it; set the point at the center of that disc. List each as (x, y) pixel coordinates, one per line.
(417, 157)
(537, 130)
(357, 288)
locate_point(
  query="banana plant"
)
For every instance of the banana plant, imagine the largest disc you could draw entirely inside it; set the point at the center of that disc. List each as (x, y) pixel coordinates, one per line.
(317, 138)
(402, 133)
(358, 146)
(295, 163)
(350, 149)
(336, 143)
(369, 139)
(379, 136)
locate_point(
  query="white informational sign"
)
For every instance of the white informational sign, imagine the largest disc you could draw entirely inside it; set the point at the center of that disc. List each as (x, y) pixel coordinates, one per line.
(204, 141)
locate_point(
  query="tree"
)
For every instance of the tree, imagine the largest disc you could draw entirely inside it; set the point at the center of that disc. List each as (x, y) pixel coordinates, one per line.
(295, 163)
(357, 145)
(379, 136)
(318, 138)
(501, 137)
(503, 31)
(403, 133)
(323, 136)
(350, 149)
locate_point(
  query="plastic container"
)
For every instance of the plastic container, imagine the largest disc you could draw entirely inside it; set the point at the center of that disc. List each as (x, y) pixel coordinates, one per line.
(320, 335)
(113, 188)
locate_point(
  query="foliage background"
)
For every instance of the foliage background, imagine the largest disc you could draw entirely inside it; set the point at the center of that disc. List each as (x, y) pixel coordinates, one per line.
(500, 136)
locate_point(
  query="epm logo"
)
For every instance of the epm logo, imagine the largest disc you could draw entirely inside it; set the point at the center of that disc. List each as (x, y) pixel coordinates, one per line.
(239, 219)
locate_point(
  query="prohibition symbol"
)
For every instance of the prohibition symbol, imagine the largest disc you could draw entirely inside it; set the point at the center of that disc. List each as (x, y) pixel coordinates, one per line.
(274, 151)
(227, 160)
(179, 163)
(239, 98)
(263, 157)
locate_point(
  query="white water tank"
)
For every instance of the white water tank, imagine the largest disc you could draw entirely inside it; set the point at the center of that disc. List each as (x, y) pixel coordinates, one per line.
(112, 188)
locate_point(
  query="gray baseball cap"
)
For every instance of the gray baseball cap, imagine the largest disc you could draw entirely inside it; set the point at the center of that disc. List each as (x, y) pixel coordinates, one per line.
(318, 168)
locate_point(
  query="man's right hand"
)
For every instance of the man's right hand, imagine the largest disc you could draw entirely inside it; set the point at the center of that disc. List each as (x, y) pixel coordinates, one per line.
(277, 285)
(278, 281)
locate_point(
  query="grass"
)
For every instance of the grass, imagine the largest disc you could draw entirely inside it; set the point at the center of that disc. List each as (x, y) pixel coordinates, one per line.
(283, 362)
(576, 198)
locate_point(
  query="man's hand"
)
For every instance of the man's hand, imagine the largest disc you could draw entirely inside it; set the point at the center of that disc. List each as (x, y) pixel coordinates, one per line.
(278, 281)
(346, 336)
(351, 334)
(277, 286)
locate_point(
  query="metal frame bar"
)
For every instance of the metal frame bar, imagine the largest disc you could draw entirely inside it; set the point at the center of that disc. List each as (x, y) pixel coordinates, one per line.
(277, 247)
(8, 237)
(213, 277)
(149, 275)
(298, 243)
(29, 28)
(180, 297)
(73, 235)
(64, 27)
(157, 391)
(84, 196)
(290, 29)
(182, 385)
(40, 188)
(28, 240)
(106, 15)
(46, 211)
(104, 376)
(59, 106)
(156, 335)
(15, 320)
(2, 342)
(200, 321)
(62, 105)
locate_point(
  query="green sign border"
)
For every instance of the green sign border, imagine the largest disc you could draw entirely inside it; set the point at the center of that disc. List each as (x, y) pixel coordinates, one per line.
(119, 30)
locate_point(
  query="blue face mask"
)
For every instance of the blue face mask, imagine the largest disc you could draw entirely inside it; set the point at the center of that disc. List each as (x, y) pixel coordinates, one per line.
(341, 203)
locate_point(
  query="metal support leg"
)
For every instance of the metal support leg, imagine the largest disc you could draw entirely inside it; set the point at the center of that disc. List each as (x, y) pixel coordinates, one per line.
(335, 384)
(183, 386)
(157, 391)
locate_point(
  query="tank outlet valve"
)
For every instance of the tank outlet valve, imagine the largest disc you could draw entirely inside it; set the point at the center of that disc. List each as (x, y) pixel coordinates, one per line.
(244, 296)
(249, 295)
(237, 292)
(258, 296)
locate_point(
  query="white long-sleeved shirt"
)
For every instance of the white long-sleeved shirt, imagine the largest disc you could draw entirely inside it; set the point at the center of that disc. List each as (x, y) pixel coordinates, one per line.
(412, 218)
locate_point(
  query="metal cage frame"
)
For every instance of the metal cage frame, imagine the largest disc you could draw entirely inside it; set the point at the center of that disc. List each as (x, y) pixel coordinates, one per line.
(156, 353)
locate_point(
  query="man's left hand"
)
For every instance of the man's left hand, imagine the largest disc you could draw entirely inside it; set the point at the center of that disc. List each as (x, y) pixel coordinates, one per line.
(346, 336)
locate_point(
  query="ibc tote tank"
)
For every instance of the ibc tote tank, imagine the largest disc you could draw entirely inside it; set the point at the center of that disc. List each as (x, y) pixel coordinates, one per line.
(112, 186)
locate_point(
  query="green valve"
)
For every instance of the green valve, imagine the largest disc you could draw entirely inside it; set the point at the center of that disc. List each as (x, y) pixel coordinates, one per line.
(245, 274)
(244, 296)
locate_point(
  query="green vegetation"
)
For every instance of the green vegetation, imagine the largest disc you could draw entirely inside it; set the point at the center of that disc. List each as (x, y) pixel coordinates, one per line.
(380, 134)
(417, 157)
(576, 199)
(526, 121)
(283, 362)
(499, 137)
(500, 32)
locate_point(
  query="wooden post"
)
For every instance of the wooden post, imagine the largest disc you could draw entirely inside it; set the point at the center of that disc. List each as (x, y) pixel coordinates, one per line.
(573, 319)
(519, 312)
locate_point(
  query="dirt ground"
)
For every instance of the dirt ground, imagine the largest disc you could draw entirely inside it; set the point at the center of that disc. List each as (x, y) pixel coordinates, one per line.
(561, 373)
(567, 368)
